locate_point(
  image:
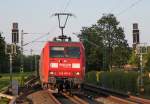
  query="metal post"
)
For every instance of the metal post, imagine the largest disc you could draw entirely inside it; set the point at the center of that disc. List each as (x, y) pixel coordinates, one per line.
(36, 65)
(21, 68)
(140, 50)
(10, 59)
(141, 70)
(31, 60)
(62, 31)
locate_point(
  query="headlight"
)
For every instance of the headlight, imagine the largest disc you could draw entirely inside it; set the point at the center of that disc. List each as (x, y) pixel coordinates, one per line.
(51, 73)
(75, 65)
(77, 73)
(54, 65)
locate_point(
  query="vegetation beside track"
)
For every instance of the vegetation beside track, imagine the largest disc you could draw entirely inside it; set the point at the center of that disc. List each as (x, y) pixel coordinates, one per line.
(5, 79)
(126, 82)
(4, 101)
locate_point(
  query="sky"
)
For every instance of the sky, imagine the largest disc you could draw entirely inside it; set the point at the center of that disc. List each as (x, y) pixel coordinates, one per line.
(35, 18)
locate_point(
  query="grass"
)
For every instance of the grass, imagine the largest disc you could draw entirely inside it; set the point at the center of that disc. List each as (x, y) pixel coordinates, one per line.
(5, 79)
(4, 101)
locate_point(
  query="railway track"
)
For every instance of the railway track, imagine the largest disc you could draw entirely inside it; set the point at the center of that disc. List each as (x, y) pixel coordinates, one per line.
(66, 98)
(29, 87)
(139, 100)
(116, 96)
(32, 93)
(39, 96)
(45, 96)
(75, 99)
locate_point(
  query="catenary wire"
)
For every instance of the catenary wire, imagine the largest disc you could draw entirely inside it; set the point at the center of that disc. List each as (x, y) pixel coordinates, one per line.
(42, 36)
(128, 8)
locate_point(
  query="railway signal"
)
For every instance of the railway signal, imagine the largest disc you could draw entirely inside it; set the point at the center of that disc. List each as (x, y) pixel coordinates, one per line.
(10, 49)
(140, 50)
(15, 33)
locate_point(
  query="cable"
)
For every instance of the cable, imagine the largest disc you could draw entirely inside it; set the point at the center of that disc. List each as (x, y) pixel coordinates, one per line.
(42, 36)
(65, 7)
(131, 6)
(92, 43)
(67, 4)
(42, 41)
(36, 39)
(116, 6)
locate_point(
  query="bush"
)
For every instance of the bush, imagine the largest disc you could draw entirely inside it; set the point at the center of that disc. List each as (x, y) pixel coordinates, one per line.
(91, 77)
(4, 101)
(116, 80)
(147, 89)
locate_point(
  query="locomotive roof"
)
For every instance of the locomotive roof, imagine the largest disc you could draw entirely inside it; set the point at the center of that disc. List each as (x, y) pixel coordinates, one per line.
(60, 43)
(64, 43)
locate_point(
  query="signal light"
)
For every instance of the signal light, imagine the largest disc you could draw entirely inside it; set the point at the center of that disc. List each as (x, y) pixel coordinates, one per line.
(76, 73)
(15, 33)
(15, 36)
(10, 49)
(14, 49)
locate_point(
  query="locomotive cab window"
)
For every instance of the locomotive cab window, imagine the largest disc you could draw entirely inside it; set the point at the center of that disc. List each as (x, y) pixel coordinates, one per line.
(65, 52)
(73, 52)
(57, 52)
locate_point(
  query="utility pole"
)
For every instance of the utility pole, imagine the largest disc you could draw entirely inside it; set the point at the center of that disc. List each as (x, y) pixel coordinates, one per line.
(141, 69)
(10, 49)
(35, 59)
(10, 60)
(31, 60)
(22, 66)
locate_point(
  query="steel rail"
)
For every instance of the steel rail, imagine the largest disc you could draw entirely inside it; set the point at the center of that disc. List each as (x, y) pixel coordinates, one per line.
(53, 98)
(112, 95)
(75, 99)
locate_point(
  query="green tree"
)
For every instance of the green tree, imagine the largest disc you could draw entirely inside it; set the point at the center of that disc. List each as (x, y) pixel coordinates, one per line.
(31, 62)
(16, 63)
(134, 59)
(93, 48)
(111, 46)
(147, 60)
(3, 57)
(2, 48)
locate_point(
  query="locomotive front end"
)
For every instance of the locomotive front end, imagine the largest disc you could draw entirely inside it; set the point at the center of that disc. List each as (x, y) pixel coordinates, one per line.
(66, 64)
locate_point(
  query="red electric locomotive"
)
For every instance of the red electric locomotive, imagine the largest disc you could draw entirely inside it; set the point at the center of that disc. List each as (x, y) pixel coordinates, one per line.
(62, 63)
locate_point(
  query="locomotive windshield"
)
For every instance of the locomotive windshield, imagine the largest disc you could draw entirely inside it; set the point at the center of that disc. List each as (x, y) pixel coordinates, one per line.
(64, 52)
